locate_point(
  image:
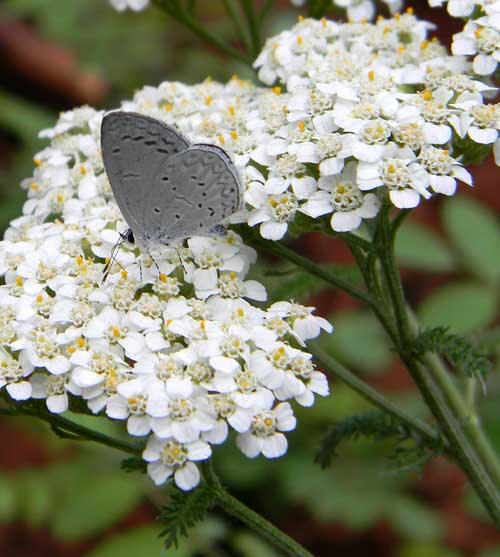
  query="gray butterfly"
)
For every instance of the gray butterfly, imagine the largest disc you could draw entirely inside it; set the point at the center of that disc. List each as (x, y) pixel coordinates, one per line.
(166, 188)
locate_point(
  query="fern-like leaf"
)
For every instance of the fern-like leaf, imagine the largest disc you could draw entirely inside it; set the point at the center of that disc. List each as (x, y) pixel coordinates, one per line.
(458, 350)
(184, 510)
(378, 426)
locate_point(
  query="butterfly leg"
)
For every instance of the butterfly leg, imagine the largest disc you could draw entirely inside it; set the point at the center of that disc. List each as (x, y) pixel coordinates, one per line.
(124, 236)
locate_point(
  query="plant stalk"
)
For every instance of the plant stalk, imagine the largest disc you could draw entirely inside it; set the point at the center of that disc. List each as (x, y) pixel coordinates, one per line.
(330, 364)
(257, 523)
(469, 446)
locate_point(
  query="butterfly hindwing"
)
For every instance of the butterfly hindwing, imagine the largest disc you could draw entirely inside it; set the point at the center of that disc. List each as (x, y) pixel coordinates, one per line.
(194, 192)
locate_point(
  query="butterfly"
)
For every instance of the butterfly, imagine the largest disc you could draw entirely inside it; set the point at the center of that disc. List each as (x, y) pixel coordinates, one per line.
(166, 188)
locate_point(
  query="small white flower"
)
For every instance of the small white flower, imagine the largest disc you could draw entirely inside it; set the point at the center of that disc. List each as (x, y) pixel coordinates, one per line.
(265, 433)
(442, 170)
(304, 323)
(483, 42)
(341, 196)
(14, 374)
(54, 389)
(168, 456)
(187, 418)
(405, 180)
(481, 123)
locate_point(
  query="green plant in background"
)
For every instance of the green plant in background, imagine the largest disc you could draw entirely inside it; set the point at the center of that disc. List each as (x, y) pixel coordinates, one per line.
(351, 163)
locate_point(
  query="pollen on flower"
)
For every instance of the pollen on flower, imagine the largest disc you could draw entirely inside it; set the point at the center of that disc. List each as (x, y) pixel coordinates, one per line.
(283, 207)
(346, 197)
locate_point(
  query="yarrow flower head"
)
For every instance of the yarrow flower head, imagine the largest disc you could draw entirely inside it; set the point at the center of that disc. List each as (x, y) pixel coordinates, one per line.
(171, 343)
(370, 110)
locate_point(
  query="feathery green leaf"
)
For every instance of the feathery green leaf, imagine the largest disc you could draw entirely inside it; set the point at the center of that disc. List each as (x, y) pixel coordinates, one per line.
(379, 426)
(457, 349)
(184, 510)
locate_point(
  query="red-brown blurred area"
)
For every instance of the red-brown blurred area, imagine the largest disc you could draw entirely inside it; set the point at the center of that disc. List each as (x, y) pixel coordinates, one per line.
(63, 499)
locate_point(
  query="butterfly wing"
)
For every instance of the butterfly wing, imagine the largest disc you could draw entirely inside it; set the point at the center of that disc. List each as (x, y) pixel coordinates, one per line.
(194, 192)
(134, 151)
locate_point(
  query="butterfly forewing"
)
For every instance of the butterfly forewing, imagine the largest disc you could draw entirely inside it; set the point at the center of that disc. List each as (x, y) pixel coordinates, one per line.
(194, 192)
(134, 151)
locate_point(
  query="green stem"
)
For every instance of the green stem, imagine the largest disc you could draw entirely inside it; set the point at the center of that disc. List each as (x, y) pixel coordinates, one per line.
(330, 364)
(393, 281)
(234, 507)
(306, 264)
(175, 11)
(266, 8)
(234, 15)
(468, 443)
(253, 25)
(65, 427)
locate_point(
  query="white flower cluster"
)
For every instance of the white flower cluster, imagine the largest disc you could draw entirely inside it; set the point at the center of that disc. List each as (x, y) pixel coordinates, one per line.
(368, 106)
(480, 37)
(170, 342)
